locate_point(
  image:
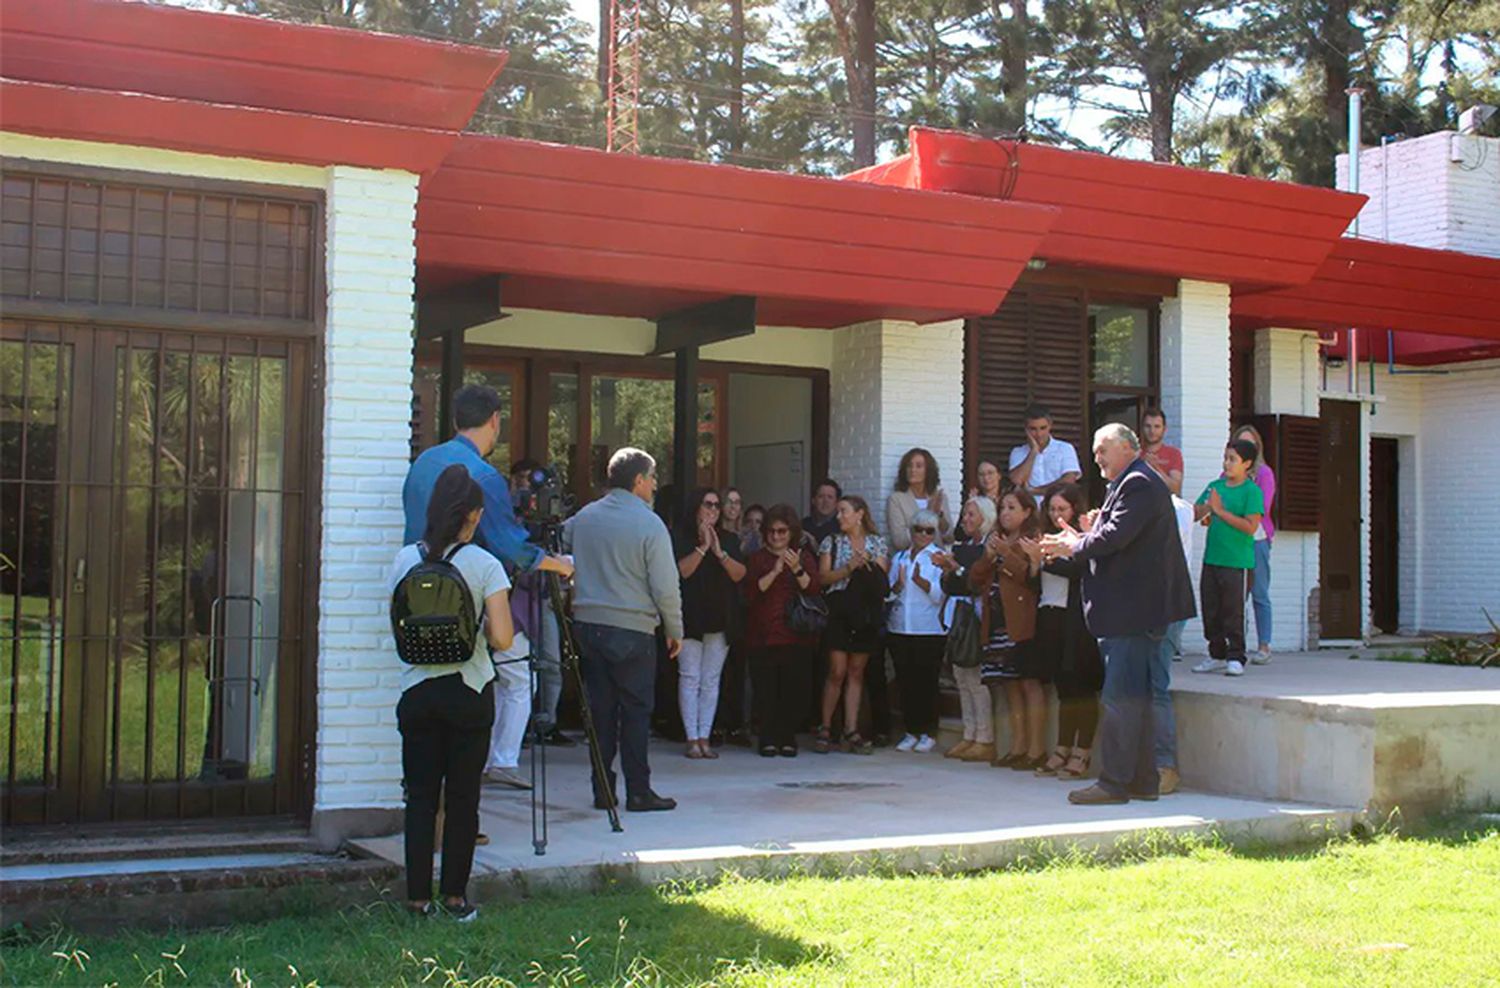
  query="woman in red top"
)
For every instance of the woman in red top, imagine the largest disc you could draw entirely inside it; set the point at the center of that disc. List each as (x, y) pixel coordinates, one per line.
(780, 658)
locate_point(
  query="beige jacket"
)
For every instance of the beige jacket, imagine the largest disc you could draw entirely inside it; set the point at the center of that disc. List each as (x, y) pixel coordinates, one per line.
(901, 508)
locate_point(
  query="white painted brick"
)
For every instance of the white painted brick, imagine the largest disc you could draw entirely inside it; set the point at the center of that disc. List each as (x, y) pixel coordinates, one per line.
(1419, 195)
(371, 254)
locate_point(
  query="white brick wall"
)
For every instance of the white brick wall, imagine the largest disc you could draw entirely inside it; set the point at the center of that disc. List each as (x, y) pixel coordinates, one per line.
(367, 406)
(895, 385)
(1195, 396)
(1420, 195)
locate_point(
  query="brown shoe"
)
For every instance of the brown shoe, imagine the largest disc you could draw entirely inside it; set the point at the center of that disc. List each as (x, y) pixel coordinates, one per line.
(978, 753)
(1095, 796)
(1169, 780)
(957, 751)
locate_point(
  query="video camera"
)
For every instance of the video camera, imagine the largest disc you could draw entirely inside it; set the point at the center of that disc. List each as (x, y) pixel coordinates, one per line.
(543, 501)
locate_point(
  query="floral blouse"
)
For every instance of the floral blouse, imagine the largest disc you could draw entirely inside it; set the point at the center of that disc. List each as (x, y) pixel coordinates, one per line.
(840, 548)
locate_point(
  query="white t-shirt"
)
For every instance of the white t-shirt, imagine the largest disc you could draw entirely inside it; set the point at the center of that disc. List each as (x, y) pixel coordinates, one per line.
(1185, 528)
(1054, 590)
(486, 577)
(915, 612)
(1055, 459)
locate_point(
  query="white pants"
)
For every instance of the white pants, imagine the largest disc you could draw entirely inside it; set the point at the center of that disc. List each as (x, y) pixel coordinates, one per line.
(512, 711)
(700, 665)
(977, 705)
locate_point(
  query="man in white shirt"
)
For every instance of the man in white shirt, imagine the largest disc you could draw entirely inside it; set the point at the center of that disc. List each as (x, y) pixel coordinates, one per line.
(1041, 460)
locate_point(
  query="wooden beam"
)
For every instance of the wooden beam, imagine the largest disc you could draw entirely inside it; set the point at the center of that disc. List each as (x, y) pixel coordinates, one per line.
(450, 379)
(710, 322)
(684, 427)
(459, 307)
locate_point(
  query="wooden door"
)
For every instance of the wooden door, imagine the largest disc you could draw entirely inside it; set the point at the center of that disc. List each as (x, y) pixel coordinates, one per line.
(155, 500)
(1385, 520)
(1339, 538)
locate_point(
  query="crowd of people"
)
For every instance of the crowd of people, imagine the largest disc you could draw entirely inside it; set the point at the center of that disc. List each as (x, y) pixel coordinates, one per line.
(779, 626)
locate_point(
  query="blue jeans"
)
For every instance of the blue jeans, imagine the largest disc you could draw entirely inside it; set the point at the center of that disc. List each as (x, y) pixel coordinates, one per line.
(1164, 718)
(1125, 742)
(619, 671)
(1260, 591)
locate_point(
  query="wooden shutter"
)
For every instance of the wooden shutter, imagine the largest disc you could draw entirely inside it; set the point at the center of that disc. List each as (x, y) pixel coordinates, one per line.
(1034, 349)
(1294, 449)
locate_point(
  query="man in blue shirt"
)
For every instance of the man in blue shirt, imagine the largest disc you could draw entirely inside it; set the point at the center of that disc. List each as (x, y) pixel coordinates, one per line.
(476, 419)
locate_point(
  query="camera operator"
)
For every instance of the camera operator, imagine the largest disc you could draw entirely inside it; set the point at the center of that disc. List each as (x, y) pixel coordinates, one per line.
(627, 584)
(476, 420)
(528, 587)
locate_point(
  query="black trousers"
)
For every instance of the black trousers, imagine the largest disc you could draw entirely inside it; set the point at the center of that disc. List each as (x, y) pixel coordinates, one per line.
(730, 716)
(1077, 717)
(1223, 591)
(877, 693)
(445, 738)
(917, 658)
(781, 674)
(619, 670)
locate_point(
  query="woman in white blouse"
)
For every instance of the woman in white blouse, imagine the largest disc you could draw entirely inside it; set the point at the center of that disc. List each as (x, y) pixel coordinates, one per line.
(915, 633)
(917, 489)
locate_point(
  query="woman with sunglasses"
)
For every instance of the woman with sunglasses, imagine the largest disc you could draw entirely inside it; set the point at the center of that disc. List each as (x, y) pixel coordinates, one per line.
(708, 561)
(780, 656)
(915, 632)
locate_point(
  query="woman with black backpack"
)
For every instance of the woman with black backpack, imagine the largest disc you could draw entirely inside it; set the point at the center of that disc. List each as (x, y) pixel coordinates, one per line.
(446, 590)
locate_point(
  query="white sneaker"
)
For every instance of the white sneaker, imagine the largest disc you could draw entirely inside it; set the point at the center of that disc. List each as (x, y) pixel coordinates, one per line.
(1261, 658)
(924, 744)
(1210, 665)
(907, 743)
(1233, 668)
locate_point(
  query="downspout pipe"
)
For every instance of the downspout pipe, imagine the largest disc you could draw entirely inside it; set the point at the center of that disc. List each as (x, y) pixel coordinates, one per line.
(1356, 112)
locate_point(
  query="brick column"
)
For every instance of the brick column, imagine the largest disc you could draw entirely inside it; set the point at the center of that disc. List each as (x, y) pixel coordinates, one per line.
(1195, 396)
(371, 261)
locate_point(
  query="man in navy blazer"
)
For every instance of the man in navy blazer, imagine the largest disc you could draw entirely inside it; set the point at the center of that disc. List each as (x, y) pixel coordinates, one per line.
(1136, 585)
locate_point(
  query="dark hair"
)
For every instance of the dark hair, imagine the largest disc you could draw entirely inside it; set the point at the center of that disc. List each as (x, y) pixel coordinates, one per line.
(1154, 413)
(1245, 448)
(787, 515)
(1072, 493)
(1005, 482)
(626, 465)
(932, 469)
(454, 498)
(687, 522)
(757, 506)
(526, 465)
(1031, 526)
(473, 406)
(1036, 410)
(867, 521)
(838, 491)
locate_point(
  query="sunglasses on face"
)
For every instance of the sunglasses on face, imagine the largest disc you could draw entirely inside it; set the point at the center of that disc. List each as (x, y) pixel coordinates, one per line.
(710, 504)
(779, 530)
(923, 530)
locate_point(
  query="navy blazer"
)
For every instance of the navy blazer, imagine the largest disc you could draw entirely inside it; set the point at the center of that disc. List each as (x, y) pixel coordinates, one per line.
(1137, 579)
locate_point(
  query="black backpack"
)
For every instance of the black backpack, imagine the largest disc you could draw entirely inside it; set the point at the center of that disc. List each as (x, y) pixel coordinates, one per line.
(432, 613)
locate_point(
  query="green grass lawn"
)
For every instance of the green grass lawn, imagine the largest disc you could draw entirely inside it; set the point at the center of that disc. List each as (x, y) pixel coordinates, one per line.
(1392, 911)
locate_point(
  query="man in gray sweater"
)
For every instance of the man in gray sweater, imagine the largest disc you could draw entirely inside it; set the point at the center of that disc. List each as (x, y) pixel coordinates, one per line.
(626, 583)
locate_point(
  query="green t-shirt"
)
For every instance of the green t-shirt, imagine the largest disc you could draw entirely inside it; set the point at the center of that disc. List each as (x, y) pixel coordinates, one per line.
(1226, 545)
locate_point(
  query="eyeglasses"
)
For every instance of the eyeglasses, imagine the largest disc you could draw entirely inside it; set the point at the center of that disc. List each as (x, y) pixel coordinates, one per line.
(923, 530)
(778, 530)
(710, 504)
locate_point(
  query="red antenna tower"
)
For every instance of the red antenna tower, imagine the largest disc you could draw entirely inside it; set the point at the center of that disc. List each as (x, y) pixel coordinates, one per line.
(624, 97)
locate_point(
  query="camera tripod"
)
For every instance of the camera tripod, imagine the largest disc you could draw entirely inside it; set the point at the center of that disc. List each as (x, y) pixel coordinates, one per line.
(569, 656)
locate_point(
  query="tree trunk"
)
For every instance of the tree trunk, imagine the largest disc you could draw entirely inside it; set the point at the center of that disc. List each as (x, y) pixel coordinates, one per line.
(1161, 114)
(1014, 33)
(604, 43)
(737, 78)
(1337, 43)
(864, 99)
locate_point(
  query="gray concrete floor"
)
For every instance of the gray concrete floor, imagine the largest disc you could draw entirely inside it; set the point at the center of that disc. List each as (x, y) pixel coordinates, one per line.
(1331, 676)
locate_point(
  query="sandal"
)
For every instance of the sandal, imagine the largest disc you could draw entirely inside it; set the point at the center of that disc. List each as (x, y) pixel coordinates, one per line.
(823, 740)
(1008, 759)
(707, 750)
(853, 744)
(693, 751)
(768, 751)
(1077, 767)
(1054, 762)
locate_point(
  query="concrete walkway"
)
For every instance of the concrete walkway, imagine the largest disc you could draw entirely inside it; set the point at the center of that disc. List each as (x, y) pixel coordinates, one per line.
(1331, 676)
(767, 816)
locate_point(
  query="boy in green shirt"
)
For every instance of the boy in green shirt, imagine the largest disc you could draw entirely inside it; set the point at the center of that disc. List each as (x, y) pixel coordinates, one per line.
(1231, 508)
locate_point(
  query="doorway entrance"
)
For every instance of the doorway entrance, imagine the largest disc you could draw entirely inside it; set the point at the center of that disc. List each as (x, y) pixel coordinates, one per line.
(1385, 534)
(1338, 543)
(156, 515)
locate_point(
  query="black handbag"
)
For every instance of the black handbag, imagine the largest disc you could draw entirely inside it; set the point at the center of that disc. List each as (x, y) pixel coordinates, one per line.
(963, 649)
(807, 614)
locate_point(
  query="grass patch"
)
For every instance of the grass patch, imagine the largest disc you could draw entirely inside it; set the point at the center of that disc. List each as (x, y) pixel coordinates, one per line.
(1392, 910)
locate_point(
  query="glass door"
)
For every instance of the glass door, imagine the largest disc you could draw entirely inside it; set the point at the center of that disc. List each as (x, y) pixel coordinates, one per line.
(153, 631)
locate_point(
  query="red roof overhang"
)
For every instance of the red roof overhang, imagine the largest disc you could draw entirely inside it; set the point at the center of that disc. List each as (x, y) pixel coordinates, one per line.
(579, 230)
(1373, 285)
(1137, 215)
(136, 73)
